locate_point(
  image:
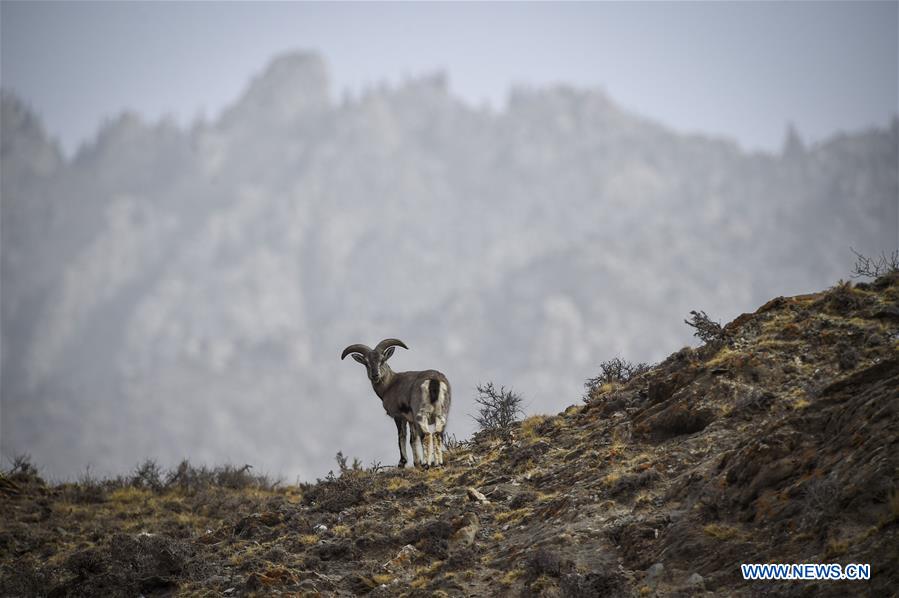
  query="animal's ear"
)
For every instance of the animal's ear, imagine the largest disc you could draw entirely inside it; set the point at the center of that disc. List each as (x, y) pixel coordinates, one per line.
(388, 352)
(358, 357)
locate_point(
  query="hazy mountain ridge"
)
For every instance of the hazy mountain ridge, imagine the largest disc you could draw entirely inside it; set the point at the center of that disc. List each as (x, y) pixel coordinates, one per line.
(207, 278)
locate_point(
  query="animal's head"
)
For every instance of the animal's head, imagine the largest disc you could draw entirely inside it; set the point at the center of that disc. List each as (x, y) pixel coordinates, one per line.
(374, 360)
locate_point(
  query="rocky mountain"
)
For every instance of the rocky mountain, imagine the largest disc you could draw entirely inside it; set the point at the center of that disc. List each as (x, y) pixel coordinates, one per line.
(777, 441)
(187, 293)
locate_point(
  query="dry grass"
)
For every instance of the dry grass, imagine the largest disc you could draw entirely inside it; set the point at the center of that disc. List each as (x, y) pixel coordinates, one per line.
(721, 532)
(529, 427)
(341, 531)
(512, 517)
(130, 495)
(643, 499)
(800, 404)
(723, 356)
(424, 574)
(836, 548)
(610, 478)
(892, 513)
(509, 578)
(774, 344)
(397, 483)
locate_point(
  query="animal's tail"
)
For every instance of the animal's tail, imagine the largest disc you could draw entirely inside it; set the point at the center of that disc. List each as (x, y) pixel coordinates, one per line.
(434, 390)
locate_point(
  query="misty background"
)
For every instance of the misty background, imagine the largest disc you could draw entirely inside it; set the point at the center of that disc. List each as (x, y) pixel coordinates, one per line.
(518, 192)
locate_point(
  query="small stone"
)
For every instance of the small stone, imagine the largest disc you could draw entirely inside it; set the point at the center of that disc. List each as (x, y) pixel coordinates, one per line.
(654, 572)
(403, 558)
(696, 581)
(466, 534)
(475, 496)
(320, 528)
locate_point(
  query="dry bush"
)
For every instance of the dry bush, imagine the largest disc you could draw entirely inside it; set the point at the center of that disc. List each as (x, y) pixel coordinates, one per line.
(451, 443)
(705, 328)
(866, 267)
(431, 537)
(192, 479)
(20, 577)
(499, 409)
(344, 466)
(847, 356)
(544, 561)
(594, 583)
(842, 299)
(822, 497)
(614, 371)
(89, 489)
(334, 494)
(23, 471)
(148, 476)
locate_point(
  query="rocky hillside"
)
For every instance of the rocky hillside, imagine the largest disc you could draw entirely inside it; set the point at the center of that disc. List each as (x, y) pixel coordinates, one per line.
(215, 271)
(777, 441)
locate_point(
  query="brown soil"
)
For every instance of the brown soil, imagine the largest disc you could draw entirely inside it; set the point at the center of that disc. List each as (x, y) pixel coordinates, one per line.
(779, 443)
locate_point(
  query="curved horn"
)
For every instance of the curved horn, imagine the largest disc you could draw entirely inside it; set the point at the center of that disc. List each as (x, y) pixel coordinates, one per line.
(355, 349)
(389, 342)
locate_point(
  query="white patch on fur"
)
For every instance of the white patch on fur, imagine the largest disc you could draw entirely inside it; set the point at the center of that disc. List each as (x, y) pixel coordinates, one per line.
(430, 457)
(416, 447)
(439, 446)
(431, 418)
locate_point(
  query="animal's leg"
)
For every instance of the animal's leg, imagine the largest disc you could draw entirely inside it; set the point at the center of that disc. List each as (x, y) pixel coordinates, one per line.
(401, 437)
(439, 447)
(439, 425)
(416, 444)
(427, 438)
(430, 458)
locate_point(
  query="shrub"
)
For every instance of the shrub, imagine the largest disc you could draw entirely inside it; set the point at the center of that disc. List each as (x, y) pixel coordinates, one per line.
(545, 562)
(451, 443)
(499, 409)
(88, 488)
(21, 473)
(705, 329)
(238, 478)
(847, 356)
(334, 494)
(875, 267)
(23, 470)
(615, 370)
(148, 475)
(822, 497)
(344, 467)
(337, 493)
(841, 299)
(191, 479)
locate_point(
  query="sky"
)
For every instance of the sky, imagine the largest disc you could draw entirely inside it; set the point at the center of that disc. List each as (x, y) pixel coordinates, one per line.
(736, 70)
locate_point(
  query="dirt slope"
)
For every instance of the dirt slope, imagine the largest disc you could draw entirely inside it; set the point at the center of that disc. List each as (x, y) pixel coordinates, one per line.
(778, 443)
